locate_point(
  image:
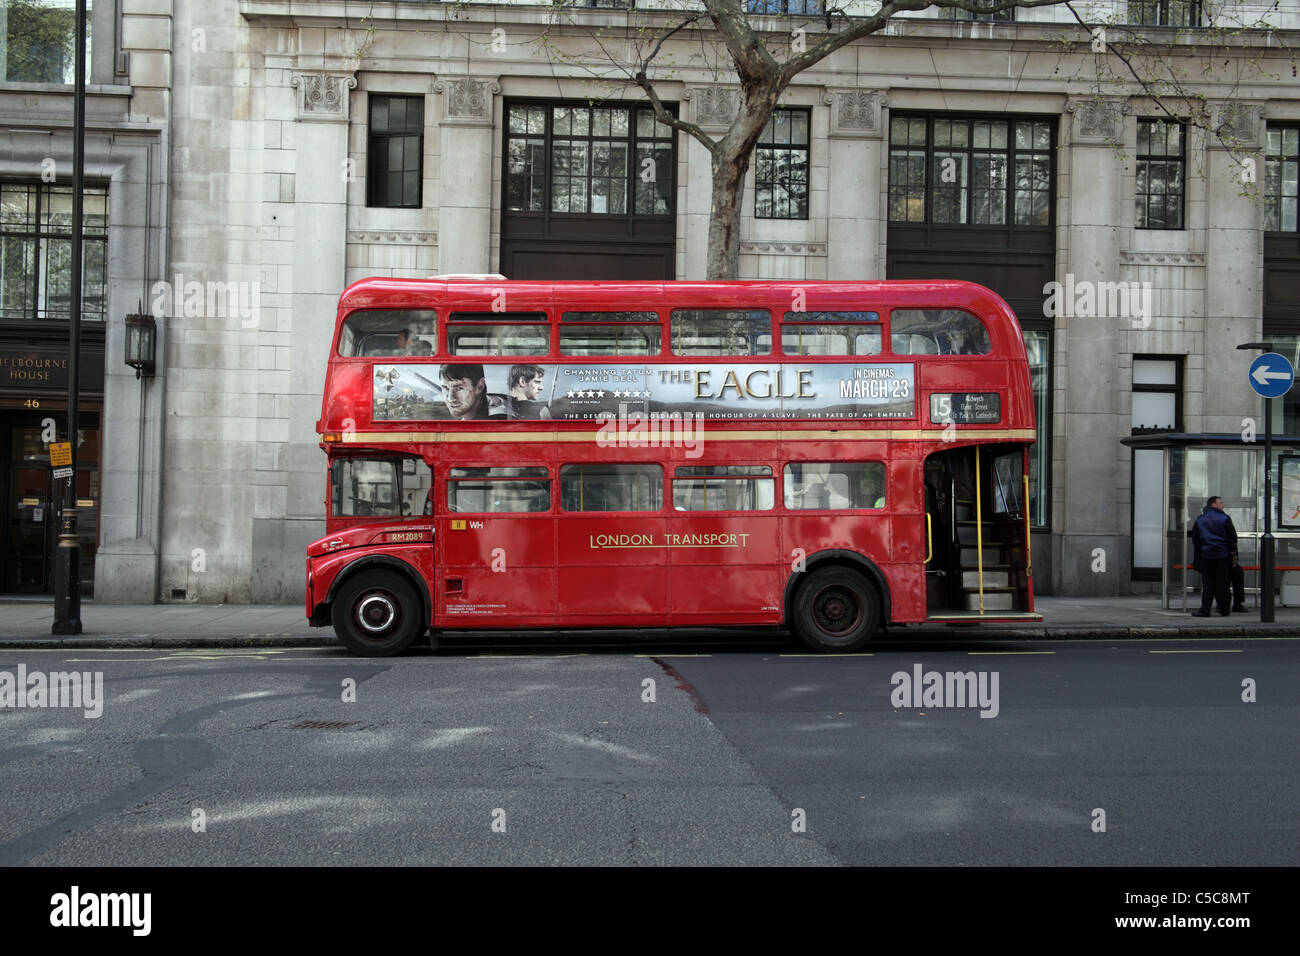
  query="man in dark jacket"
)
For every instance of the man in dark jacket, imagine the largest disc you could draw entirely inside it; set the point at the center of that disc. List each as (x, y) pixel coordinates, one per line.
(1215, 539)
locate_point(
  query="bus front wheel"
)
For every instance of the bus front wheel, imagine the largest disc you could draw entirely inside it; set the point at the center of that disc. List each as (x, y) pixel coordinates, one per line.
(835, 609)
(377, 614)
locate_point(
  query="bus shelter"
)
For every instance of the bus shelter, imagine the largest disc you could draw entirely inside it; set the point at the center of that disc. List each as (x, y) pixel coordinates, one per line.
(1195, 466)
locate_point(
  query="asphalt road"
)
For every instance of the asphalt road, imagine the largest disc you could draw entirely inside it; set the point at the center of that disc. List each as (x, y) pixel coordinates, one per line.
(545, 755)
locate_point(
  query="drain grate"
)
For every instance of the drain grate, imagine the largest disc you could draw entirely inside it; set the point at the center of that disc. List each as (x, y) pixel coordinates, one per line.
(322, 724)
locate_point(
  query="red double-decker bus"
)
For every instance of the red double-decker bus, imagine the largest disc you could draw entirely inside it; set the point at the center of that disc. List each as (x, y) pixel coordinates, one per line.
(833, 457)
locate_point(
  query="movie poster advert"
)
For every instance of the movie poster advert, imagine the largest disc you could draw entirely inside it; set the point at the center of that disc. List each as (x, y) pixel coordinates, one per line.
(1288, 470)
(470, 391)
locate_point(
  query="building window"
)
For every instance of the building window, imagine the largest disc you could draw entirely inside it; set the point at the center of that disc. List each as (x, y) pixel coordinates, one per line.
(1157, 394)
(394, 174)
(1286, 410)
(1281, 169)
(1161, 160)
(970, 171)
(1157, 407)
(36, 251)
(781, 166)
(996, 16)
(1164, 13)
(787, 7)
(40, 41)
(1038, 347)
(591, 160)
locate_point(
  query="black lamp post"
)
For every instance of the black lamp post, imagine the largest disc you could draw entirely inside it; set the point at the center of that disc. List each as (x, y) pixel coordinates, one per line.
(1266, 543)
(67, 556)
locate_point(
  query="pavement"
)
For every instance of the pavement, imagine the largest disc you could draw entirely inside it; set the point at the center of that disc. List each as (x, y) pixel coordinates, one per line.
(27, 622)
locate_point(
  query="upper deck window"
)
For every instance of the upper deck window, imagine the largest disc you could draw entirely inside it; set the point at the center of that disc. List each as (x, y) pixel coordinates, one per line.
(498, 333)
(610, 333)
(831, 333)
(722, 332)
(389, 332)
(937, 332)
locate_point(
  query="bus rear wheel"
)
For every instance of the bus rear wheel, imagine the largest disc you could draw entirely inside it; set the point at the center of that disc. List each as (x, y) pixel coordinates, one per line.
(377, 614)
(835, 609)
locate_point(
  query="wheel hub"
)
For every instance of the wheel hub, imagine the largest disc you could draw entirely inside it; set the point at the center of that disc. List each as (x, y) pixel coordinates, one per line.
(836, 611)
(376, 613)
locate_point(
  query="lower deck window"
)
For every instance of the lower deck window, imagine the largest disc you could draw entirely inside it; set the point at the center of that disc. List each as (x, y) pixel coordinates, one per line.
(611, 487)
(498, 490)
(724, 488)
(834, 486)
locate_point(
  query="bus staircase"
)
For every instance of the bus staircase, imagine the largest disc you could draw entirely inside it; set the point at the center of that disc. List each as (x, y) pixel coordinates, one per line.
(989, 578)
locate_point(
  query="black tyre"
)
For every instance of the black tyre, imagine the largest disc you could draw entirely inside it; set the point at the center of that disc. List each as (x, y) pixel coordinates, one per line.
(378, 614)
(835, 609)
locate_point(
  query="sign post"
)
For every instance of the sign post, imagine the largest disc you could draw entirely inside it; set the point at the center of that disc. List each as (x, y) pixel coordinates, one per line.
(1271, 376)
(67, 556)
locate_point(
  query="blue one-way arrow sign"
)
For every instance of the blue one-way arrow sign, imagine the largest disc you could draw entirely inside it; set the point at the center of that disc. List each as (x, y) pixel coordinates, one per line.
(1271, 375)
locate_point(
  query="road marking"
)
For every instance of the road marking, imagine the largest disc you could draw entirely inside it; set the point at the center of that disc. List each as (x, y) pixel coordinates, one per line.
(510, 657)
(1004, 653)
(1208, 650)
(672, 655)
(864, 654)
(133, 695)
(214, 654)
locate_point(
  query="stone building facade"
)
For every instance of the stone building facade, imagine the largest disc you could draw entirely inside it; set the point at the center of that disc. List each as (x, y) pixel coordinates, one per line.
(127, 159)
(272, 120)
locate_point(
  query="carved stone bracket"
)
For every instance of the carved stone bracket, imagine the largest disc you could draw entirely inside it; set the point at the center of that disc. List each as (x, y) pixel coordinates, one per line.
(1098, 119)
(1129, 257)
(779, 247)
(1237, 125)
(467, 100)
(715, 106)
(323, 96)
(856, 112)
(394, 238)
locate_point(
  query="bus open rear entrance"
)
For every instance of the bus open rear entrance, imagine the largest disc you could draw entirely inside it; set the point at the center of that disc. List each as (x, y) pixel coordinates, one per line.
(978, 562)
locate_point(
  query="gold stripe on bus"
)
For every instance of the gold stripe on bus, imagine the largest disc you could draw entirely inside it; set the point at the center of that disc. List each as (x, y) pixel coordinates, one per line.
(618, 437)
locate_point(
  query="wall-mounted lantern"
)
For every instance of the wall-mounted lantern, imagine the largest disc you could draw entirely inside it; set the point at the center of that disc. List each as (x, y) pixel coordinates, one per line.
(140, 337)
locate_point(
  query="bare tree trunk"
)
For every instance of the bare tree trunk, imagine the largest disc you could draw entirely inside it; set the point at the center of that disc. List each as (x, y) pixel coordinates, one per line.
(724, 216)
